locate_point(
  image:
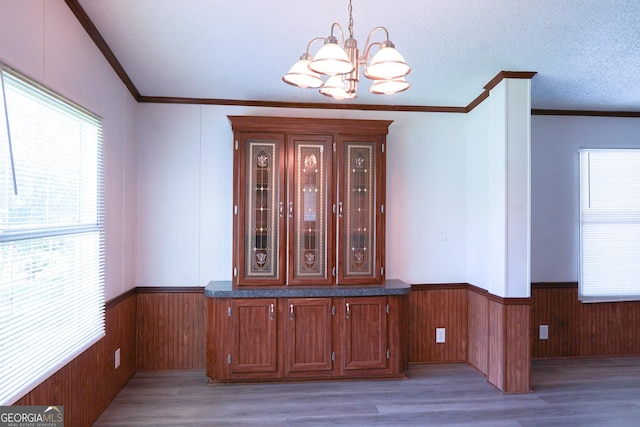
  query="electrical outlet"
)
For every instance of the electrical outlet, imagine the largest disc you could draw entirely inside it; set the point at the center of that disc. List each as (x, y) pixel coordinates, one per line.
(117, 357)
(544, 332)
(440, 335)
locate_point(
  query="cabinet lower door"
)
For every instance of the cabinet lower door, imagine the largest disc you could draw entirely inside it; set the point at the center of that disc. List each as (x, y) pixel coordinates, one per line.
(309, 331)
(364, 336)
(254, 348)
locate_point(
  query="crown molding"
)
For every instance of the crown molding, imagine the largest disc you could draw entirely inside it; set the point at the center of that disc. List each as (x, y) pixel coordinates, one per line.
(97, 38)
(317, 105)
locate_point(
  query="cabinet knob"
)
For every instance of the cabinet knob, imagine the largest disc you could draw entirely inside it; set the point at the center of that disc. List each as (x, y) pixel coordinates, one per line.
(348, 311)
(271, 312)
(281, 210)
(291, 311)
(340, 209)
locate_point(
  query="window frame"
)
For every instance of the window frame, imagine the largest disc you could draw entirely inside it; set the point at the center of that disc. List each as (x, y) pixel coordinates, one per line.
(82, 293)
(598, 227)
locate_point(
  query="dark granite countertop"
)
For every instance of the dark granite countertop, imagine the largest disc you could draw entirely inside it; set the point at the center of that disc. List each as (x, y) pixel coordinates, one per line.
(224, 289)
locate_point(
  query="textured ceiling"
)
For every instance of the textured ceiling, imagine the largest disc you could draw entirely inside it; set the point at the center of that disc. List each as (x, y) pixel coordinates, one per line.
(586, 52)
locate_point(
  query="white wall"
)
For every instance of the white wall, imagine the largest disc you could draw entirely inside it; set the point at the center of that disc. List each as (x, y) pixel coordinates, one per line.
(185, 193)
(480, 163)
(427, 194)
(498, 183)
(44, 40)
(555, 141)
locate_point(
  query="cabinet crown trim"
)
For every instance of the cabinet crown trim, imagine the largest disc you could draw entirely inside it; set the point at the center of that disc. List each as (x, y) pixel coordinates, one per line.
(308, 125)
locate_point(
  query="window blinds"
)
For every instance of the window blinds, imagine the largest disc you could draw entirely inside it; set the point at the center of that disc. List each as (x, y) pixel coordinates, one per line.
(51, 234)
(609, 225)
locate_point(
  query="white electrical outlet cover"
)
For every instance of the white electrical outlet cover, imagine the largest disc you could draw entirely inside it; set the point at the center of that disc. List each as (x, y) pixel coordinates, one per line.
(544, 332)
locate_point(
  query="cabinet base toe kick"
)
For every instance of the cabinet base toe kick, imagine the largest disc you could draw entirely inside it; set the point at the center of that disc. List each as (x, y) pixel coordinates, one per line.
(220, 382)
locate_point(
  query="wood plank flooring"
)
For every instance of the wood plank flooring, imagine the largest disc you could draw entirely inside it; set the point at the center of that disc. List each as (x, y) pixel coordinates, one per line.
(571, 392)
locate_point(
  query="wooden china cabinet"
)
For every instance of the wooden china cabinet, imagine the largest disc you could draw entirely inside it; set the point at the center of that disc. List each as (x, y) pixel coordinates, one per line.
(316, 187)
(308, 296)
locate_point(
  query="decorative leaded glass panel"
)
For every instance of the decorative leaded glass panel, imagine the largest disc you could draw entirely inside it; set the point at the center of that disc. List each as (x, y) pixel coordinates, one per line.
(310, 253)
(359, 210)
(262, 209)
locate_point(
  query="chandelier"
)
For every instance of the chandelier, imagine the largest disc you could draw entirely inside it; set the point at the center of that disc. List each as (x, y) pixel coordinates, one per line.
(387, 68)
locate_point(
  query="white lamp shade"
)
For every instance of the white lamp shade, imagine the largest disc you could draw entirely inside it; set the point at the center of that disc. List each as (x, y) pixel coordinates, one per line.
(335, 88)
(301, 76)
(389, 87)
(387, 64)
(331, 59)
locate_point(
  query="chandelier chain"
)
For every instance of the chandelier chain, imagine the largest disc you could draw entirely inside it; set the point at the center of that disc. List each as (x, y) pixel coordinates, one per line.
(350, 20)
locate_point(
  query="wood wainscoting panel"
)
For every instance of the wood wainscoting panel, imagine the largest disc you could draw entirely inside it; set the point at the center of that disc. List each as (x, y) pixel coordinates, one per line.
(496, 344)
(609, 329)
(558, 308)
(171, 328)
(438, 306)
(499, 343)
(579, 329)
(87, 384)
(517, 348)
(509, 349)
(478, 332)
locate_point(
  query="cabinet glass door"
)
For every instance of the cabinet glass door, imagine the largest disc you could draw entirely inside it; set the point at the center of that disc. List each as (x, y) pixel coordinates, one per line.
(311, 225)
(262, 201)
(358, 213)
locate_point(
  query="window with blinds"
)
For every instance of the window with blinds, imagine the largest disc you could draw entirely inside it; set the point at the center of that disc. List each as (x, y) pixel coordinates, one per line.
(51, 233)
(609, 225)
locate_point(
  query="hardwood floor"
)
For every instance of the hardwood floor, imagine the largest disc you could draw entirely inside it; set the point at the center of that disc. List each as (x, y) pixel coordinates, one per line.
(571, 392)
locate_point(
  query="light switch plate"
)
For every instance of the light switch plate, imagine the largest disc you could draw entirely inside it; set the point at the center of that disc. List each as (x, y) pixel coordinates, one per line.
(440, 335)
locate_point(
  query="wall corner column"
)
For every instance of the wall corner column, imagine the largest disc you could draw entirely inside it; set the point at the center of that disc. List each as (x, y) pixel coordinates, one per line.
(502, 232)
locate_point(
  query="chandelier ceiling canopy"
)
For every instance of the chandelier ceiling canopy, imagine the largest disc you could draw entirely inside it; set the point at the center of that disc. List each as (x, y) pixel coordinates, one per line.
(341, 65)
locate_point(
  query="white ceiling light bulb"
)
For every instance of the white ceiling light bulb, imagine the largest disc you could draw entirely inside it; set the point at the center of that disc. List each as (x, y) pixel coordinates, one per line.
(301, 76)
(387, 64)
(389, 87)
(335, 88)
(331, 59)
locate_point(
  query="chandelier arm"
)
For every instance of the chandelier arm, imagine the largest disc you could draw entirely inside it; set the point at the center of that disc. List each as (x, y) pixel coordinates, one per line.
(368, 46)
(310, 43)
(334, 25)
(365, 55)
